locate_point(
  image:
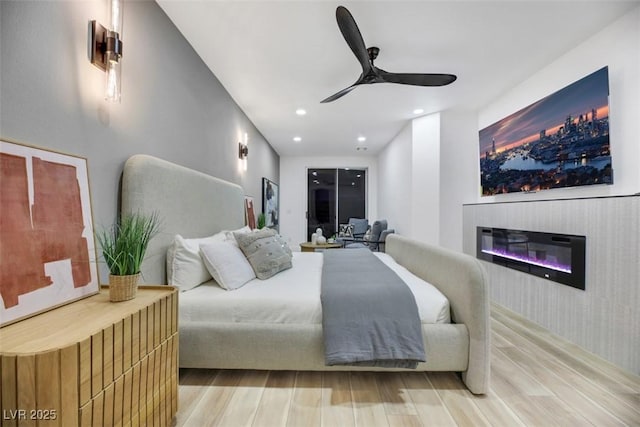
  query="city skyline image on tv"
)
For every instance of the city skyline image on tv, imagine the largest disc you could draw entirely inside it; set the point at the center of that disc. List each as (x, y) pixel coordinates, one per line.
(559, 141)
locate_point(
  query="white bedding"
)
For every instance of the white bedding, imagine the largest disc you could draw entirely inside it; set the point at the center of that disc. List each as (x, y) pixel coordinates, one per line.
(293, 296)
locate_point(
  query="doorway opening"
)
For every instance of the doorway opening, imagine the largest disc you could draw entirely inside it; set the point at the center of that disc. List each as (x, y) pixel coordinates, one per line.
(333, 196)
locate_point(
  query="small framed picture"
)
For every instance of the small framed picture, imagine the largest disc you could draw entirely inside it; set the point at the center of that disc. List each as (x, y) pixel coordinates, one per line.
(249, 212)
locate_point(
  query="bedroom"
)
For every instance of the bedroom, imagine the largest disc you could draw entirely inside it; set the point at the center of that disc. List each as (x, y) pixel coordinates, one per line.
(173, 107)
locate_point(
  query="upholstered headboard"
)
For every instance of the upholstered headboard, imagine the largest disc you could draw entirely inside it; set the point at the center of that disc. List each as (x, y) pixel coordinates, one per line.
(188, 202)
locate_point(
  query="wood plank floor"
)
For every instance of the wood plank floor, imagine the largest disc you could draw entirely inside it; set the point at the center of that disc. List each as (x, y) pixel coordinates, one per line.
(537, 379)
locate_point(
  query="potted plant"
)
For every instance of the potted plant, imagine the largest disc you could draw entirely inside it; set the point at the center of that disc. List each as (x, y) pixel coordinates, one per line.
(123, 249)
(262, 220)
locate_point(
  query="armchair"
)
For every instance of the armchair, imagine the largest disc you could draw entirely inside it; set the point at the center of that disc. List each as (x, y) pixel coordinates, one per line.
(360, 227)
(377, 237)
(383, 238)
(357, 229)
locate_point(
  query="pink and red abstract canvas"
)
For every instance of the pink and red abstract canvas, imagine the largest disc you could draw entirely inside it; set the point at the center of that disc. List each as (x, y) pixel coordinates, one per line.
(47, 249)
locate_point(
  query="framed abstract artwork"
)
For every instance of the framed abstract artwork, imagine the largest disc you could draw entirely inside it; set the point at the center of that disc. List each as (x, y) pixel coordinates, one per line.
(270, 203)
(47, 248)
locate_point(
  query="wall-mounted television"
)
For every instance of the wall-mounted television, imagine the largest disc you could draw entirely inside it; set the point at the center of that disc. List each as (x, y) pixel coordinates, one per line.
(559, 141)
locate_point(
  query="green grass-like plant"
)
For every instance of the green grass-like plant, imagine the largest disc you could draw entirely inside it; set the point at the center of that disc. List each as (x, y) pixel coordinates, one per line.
(125, 243)
(262, 220)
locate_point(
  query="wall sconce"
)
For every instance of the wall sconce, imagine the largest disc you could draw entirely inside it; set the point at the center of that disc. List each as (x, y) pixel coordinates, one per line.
(243, 151)
(105, 49)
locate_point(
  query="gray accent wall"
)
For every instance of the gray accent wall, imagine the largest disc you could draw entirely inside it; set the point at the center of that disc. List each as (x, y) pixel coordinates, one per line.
(173, 106)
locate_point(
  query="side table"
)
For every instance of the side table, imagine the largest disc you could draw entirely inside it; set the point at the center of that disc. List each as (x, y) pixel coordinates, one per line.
(310, 247)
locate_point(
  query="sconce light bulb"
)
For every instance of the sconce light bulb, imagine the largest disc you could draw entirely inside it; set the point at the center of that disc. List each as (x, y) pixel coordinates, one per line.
(113, 81)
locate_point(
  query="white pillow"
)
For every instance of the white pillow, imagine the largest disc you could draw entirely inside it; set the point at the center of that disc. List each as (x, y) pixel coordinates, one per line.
(227, 264)
(229, 234)
(185, 268)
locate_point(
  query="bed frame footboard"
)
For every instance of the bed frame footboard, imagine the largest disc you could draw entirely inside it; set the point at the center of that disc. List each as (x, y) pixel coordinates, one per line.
(463, 280)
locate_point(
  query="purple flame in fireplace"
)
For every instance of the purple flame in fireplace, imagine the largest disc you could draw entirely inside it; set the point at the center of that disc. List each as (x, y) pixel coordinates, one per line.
(528, 260)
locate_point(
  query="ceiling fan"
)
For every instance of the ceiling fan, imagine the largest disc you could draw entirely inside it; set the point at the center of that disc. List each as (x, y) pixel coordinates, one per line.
(370, 73)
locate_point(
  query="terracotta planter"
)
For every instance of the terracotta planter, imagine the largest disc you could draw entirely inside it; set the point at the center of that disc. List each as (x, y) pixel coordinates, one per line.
(123, 288)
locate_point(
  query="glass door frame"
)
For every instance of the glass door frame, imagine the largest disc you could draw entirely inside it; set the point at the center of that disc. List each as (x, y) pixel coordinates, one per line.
(336, 218)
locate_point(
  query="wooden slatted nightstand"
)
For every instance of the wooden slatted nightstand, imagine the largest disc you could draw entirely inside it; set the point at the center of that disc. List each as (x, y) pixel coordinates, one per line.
(93, 362)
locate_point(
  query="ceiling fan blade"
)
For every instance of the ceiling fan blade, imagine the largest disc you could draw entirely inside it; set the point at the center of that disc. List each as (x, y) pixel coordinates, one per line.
(352, 36)
(417, 79)
(340, 94)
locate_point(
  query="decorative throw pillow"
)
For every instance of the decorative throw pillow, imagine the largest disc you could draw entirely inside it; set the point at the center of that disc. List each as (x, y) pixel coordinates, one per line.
(229, 234)
(284, 245)
(185, 268)
(265, 252)
(227, 264)
(346, 230)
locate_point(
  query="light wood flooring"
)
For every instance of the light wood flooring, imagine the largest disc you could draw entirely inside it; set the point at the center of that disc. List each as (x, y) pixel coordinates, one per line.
(537, 379)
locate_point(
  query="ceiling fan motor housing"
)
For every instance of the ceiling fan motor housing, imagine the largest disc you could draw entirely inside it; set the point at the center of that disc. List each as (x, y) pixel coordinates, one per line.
(373, 53)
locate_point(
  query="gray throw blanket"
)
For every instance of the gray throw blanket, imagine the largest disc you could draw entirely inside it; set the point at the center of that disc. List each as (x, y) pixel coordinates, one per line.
(369, 315)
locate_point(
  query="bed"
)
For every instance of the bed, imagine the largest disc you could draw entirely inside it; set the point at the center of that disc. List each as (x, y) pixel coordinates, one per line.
(251, 331)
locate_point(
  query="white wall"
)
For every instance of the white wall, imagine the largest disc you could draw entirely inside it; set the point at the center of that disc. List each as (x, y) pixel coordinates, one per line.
(394, 184)
(458, 172)
(604, 317)
(410, 181)
(425, 179)
(617, 46)
(293, 191)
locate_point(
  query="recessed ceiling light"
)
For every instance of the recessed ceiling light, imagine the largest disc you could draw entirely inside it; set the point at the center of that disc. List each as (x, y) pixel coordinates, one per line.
(297, 139)
(362, 139)
(418, 111)
(301, 111)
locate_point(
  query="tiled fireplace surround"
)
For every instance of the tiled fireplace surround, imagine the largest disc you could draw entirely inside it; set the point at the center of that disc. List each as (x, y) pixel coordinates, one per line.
(604, 317)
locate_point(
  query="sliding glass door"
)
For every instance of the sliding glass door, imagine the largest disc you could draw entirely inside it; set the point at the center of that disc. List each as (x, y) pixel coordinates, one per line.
(334, 196)
(351, 194)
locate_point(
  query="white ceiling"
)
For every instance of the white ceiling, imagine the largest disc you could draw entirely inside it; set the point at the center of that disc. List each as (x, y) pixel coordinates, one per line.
(276, 56)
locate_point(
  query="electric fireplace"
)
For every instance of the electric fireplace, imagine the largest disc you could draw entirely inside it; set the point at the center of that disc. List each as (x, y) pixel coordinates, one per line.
(557, 257)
